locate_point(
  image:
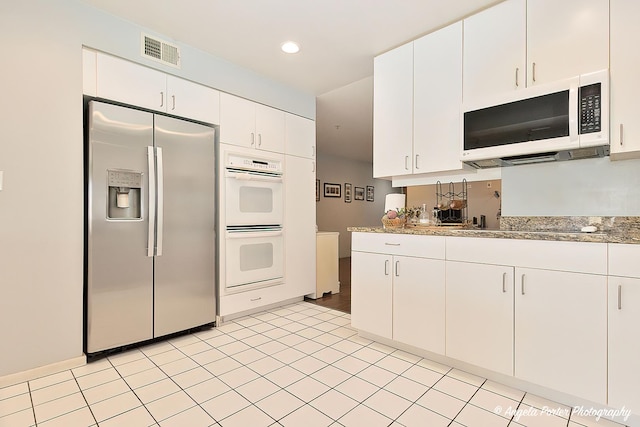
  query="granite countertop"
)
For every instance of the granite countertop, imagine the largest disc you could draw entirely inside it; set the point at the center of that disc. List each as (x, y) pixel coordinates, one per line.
(610, 229)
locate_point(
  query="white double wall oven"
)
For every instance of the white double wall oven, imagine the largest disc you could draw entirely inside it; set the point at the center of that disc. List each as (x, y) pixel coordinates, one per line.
(251, 219)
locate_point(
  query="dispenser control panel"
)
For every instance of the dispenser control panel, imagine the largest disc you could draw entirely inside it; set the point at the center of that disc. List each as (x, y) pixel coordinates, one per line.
(119, 178)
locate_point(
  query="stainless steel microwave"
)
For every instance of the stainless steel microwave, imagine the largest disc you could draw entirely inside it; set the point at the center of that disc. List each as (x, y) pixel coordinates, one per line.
(564, 120)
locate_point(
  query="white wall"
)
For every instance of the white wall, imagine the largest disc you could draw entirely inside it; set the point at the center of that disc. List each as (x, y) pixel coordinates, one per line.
(41, 154)
(590, 187)
(333, 214)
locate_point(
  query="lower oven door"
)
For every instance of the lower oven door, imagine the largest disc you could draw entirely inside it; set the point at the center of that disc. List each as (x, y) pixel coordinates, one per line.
(254, 259)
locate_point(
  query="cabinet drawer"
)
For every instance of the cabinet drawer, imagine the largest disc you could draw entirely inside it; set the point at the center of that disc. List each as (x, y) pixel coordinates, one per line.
(399, 244)
(579, 257)
(623, 260)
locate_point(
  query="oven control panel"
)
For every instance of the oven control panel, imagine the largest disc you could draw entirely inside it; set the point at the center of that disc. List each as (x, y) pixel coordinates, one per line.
(590, 109)
(237, 161)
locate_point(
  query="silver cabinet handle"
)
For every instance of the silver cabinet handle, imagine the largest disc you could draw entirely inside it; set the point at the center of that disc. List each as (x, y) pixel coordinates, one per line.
(619, 297)
(406, 162)
(522, 284)
(397, 265)
(256, 299)
(621, 134)
(152, 200)
(313, 151)
(533, 74)
(386, 267)
(504, 282)
(517, 70)
(173, 100)
(392, 244)
(253, 139)
(313, 167)
(161, 99)
(160, 202)
(417, 157)
(259, 140)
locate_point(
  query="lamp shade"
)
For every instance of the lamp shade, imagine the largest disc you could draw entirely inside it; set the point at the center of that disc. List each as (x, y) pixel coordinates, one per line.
(394, 201)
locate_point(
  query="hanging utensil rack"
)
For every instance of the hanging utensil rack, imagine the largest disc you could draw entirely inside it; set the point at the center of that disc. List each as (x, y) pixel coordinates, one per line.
(452, 205)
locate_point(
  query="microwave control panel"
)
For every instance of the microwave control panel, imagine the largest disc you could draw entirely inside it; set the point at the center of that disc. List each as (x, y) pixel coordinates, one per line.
(590, 108)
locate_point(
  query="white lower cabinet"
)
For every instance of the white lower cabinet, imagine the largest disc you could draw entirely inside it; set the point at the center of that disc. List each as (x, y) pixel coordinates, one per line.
(395, 294)
(624, 334)
(480, 315)
(624, 343)
(561, 331)
(418, 302)
(371, 293)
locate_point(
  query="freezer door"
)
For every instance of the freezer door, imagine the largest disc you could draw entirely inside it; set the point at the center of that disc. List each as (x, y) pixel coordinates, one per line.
(119, 308)
(184, 294)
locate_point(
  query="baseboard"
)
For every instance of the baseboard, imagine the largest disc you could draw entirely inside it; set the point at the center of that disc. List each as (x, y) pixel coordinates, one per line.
(42, 371)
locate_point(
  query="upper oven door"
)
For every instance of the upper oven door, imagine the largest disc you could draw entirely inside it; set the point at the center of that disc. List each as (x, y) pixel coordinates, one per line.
(253, 198)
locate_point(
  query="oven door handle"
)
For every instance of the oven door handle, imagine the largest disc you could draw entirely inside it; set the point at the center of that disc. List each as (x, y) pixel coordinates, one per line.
(252, 234)
(247, 176)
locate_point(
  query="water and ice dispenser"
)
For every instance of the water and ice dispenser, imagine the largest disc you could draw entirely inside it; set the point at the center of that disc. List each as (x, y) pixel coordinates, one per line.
(125, 194)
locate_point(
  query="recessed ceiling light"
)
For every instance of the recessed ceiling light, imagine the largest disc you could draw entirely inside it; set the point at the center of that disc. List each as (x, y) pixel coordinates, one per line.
(290, 47)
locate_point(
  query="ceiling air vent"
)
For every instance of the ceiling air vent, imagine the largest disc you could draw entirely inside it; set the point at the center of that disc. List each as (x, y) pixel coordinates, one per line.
(161, 51)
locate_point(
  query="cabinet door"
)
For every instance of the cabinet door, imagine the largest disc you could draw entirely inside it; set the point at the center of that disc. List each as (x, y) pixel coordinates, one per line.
(393, 112)
(300, 226)
(300, 136)
(191, 100)
(495, 50)
(566, 38)
(130, 83)
(561, 331)
(371, 293)
(269, 129)
(479, 316)
(437, 100)
(237, 121)
(624, 343)
(625, 91)
(419, 302)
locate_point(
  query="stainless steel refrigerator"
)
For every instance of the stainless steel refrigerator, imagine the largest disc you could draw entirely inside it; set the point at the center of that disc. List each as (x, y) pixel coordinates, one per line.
(150, 226)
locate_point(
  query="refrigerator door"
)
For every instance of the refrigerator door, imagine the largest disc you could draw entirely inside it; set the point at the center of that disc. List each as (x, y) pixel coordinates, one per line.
(119, 308)
(184, 294)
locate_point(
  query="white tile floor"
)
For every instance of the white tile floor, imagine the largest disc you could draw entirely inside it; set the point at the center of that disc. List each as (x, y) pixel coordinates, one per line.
(299, 365)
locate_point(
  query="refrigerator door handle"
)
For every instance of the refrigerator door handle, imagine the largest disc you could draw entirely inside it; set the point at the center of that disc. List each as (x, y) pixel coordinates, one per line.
(152, 200)
(160, 202)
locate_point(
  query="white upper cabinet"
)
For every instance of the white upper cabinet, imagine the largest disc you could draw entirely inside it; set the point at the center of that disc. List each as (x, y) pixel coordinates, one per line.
(300, 136)
(393, 112)
(495, 56)
(192, 100)
(130, 83)
(625, 61)
(520, 43)
(566, 38)
(248, 124)
(437, 71)
(133, 84)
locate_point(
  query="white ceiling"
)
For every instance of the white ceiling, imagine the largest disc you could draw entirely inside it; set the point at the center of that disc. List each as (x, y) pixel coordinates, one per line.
(338, 40)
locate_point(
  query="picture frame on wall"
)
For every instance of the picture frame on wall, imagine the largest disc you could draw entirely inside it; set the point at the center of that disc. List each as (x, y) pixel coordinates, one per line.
(332, 190)
(369, 193)
(317, 190)
(348, 189)
(359, 193)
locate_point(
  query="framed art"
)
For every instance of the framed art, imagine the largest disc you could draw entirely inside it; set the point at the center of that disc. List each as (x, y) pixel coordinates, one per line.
(332, 190)
(317, 190)
(359, 193)
(348, 189)
(369, 193)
